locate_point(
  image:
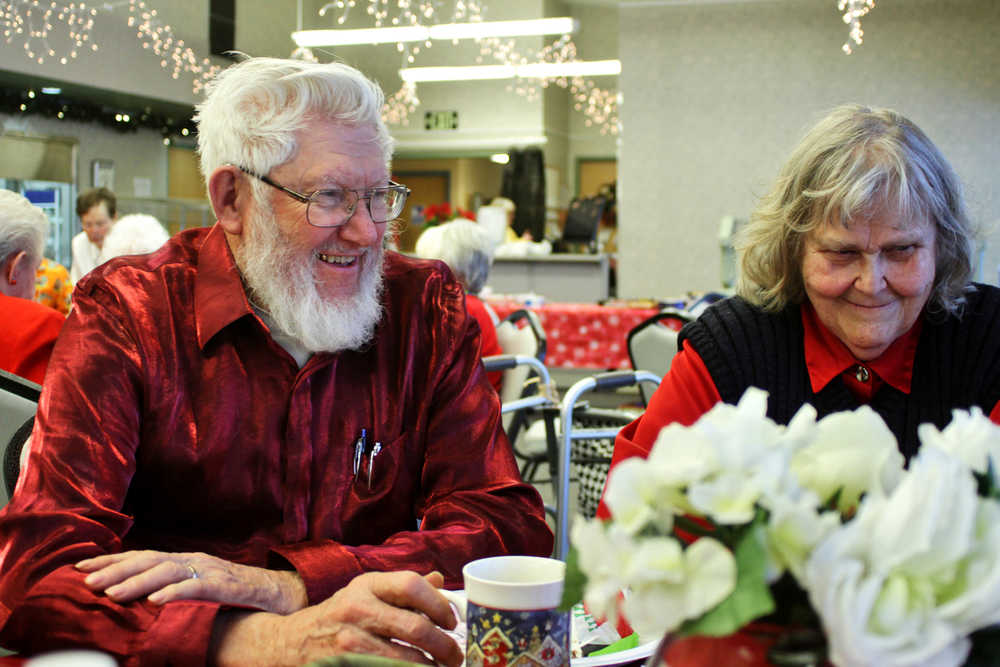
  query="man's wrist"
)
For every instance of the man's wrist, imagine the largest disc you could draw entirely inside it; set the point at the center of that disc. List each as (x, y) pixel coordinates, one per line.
(243, 638)
(290, 590)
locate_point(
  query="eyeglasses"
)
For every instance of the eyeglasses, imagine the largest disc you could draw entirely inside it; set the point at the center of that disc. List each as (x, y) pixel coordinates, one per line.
(333, 208)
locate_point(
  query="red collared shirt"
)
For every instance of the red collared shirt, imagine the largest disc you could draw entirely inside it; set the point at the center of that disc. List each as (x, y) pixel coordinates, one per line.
(171, 420)
(687, 391)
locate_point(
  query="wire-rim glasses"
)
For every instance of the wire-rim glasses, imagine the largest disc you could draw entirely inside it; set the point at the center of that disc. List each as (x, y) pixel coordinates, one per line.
(334, 207)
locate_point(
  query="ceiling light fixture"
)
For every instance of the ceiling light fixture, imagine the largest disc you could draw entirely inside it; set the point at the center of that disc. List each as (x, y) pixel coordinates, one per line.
(530, 71)
(417, 33)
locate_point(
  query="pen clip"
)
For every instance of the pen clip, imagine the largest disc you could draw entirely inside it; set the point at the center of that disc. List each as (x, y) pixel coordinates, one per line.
(371, 462)
(359, 450)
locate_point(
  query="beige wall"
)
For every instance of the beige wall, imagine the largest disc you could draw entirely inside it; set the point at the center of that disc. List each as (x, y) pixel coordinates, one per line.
(467, 176)
(718, 94)
(139, 154)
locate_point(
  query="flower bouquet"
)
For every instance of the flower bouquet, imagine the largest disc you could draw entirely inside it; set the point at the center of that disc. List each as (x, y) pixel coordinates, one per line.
(737, 518)
(435, 214)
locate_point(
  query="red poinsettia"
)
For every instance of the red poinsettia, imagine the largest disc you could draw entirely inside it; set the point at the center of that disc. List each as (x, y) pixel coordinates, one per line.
(435, 214)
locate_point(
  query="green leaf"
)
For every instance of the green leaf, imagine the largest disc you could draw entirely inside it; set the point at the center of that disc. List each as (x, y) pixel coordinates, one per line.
(750, 599)
(576, 581)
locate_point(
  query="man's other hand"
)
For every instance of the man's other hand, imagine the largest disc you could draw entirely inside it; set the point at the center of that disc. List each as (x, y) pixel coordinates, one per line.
(163, 577)
(393, 614)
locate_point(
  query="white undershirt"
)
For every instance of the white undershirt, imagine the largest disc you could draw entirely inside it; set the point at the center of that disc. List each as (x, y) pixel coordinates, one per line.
(289, 343)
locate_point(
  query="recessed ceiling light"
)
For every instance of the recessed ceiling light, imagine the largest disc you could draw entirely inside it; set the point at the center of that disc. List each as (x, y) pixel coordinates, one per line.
(51, 90)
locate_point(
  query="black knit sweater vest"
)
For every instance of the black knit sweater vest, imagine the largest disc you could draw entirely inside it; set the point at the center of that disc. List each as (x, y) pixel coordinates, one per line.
(957, 364)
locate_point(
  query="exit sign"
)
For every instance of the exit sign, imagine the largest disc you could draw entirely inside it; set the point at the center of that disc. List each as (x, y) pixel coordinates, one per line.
(440, 120)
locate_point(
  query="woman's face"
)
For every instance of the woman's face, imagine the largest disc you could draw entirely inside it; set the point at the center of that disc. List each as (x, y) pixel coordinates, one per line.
(870, 281)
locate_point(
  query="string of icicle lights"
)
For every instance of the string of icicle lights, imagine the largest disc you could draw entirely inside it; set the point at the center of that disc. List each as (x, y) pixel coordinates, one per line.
(853, 11)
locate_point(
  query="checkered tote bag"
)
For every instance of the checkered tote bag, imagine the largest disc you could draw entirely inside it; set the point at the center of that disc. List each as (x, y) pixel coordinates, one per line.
(591, 457)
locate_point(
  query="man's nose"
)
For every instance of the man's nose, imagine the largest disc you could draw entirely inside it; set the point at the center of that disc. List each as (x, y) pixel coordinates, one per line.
(359, 228)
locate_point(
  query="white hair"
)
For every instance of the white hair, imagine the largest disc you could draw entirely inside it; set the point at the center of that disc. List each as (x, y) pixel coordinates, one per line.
(23, 227)
(134, 234)
(253, 109)
(465, 246)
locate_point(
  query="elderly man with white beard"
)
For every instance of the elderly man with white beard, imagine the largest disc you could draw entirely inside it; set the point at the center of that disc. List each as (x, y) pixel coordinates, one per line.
(242, 431)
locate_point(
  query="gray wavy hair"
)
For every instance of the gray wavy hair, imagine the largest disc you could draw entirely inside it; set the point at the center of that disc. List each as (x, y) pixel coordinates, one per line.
(853, 163)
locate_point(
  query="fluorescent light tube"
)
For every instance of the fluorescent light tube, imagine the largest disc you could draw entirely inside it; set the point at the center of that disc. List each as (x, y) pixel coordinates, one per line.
(532, 71)
(419, 33)
(310, 38)
(553, 26)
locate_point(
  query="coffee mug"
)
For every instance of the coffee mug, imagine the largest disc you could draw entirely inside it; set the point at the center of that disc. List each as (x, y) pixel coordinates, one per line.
(511, 613)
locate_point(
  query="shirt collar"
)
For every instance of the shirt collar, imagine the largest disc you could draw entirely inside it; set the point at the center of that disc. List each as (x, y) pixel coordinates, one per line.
(219, 297)
(827, 357)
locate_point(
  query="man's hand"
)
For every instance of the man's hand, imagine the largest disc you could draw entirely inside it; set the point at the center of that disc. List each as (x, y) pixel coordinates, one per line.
(393, 614)
(164, 577)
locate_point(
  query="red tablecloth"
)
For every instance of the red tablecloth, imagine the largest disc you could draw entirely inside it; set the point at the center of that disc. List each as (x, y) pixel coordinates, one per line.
(583, 335)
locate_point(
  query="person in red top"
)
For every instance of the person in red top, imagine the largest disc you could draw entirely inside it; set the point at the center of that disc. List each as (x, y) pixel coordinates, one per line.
(272, 440)
(854, 289)
(466, 247)
(29, 329)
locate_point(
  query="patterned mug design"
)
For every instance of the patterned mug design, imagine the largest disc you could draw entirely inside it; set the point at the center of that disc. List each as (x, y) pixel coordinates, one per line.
(507, 638)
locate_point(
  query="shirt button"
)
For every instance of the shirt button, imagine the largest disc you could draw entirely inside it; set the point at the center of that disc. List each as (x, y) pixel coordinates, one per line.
(862, 373)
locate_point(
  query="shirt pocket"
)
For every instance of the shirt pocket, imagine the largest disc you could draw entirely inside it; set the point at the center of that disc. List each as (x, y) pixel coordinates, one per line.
(386, 471)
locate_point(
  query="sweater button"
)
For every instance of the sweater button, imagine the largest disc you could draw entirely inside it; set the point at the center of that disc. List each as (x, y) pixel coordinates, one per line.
(862, 373)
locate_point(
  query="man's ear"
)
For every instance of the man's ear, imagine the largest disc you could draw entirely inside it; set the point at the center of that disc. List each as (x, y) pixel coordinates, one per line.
(230, 195)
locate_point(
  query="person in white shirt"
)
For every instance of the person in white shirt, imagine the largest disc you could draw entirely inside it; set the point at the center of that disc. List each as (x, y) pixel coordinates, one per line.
(98, 210)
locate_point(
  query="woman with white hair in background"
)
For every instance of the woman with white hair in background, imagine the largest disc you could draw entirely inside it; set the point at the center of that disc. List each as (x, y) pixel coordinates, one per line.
(133, 234)
(30, 329)
(467, 248)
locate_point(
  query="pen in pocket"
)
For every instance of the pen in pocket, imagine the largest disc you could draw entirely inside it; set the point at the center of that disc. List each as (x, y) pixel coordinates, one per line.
(371, 462)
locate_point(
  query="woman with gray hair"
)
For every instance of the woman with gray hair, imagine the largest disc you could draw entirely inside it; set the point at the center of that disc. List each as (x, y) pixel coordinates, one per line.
(854, 289)
(467, 248)
(30, 329)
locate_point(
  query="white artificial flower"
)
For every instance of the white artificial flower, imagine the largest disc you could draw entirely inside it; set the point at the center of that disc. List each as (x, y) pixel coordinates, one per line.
(669, 586)
(637, 496)
(971, 436)
(728, 460)
(794, 527)
(603, 553)
(729, 498)
(852, 452)
(913, 574)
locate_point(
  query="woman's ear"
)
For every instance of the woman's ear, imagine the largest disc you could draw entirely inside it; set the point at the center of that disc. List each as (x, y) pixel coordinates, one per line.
(12, 272)
(230, 195)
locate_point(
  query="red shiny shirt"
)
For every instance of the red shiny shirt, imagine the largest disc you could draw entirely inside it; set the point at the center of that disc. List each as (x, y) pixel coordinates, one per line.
(28, 332)
(687, 391)
(171, 420)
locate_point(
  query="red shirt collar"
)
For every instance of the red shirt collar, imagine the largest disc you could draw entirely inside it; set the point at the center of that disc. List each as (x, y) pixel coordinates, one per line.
(219, 297)
(827, 357)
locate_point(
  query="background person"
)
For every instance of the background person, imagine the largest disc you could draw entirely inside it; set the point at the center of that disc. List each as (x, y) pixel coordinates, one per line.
(466, 247)
(252, 420)
(854, 289)
(98, 209)
(29, 329)
(133, 234)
